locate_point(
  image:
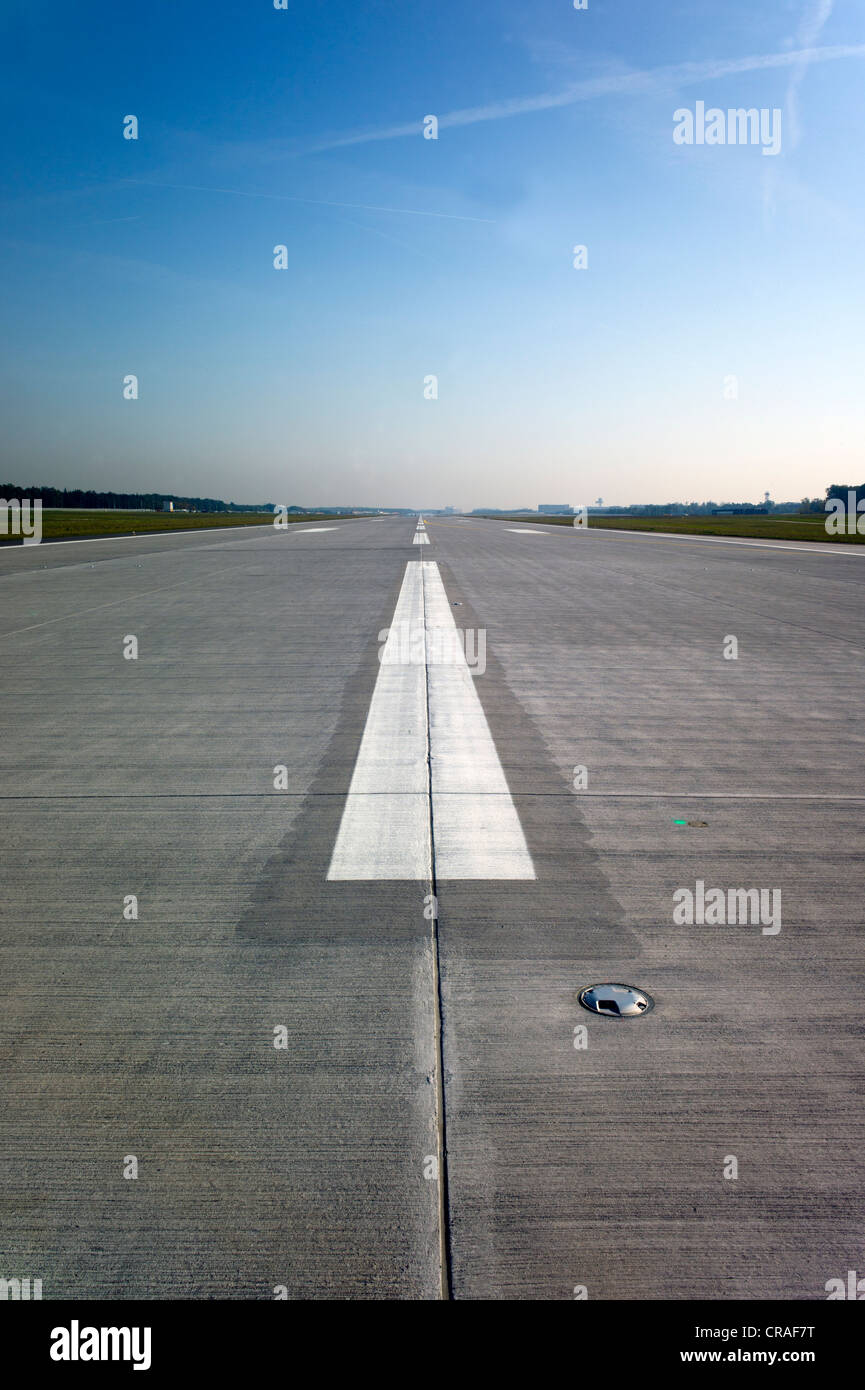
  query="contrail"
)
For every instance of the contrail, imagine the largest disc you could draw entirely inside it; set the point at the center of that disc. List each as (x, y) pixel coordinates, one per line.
(675, 75)
(314, 202)
(622, 84)
(809, 32)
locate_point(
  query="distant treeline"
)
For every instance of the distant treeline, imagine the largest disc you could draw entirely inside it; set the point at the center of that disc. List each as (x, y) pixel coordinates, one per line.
(661, 509)
(805, 504)
(697, 508)
(818, 504)
(689, 508)
(124, 501)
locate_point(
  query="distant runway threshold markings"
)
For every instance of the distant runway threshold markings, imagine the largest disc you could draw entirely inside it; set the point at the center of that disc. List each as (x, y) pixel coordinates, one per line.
(427, 743)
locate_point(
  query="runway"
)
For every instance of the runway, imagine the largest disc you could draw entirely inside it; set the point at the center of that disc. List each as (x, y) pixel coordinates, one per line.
(341, 1035)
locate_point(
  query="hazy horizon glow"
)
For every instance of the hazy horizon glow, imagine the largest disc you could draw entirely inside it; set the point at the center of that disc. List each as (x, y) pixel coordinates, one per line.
(409, 258)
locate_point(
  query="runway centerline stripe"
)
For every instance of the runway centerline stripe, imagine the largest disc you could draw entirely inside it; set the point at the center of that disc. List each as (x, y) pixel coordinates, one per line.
(427, 741)
(385, 830)
(477, 831)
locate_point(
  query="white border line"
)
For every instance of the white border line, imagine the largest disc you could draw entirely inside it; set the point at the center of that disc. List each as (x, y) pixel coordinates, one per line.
(793, 547)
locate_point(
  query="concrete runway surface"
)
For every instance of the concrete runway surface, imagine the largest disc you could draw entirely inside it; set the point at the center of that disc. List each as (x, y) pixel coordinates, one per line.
(433, 1125)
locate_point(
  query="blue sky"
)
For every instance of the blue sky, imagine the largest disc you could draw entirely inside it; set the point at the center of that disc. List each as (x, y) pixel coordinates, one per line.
(410, 257)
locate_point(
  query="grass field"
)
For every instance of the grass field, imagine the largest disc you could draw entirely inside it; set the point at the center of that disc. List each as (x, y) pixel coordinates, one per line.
(785, 527)
(60, 523)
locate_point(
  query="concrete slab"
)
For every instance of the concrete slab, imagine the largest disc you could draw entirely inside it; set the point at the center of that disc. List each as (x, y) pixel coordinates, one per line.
(599, 1166)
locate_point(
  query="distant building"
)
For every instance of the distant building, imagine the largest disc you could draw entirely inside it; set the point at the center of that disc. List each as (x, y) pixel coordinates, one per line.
(739, 509)
(552, 509)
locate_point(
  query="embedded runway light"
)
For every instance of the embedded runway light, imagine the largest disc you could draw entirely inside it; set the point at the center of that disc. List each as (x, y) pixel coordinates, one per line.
(616, 1001)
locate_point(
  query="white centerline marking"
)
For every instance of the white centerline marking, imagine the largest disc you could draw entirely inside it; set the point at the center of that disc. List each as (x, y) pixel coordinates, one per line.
(406, 765)
(308, 530)
(526, 531)
(385, 828)
(477, 831)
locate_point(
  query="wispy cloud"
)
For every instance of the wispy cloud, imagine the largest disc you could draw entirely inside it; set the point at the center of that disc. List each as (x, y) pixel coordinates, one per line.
(313, 202)
(810, 28)
(621, 84)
